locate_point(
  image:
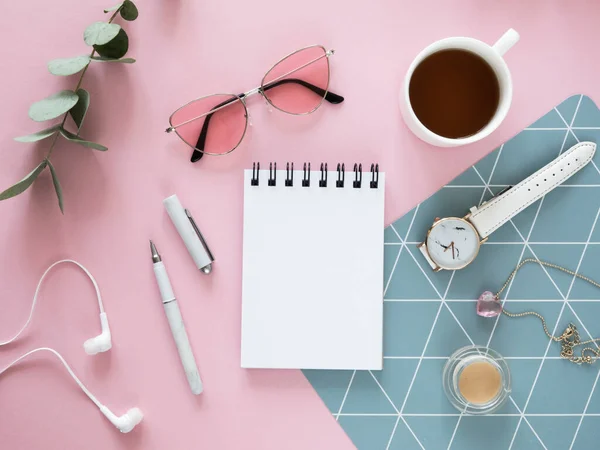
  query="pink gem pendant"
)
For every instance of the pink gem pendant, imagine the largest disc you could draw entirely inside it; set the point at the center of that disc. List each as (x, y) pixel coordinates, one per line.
(488, 305)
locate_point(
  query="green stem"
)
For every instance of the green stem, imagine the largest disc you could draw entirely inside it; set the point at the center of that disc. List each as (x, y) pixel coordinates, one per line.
(62, 124)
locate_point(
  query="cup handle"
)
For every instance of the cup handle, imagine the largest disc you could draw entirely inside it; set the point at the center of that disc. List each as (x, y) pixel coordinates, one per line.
(508, 39)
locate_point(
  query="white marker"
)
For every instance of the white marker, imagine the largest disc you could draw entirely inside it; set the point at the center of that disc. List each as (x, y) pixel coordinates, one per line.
(176, 322)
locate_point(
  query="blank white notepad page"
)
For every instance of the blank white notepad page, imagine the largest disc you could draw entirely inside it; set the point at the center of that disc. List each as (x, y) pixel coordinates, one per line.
(312, 289)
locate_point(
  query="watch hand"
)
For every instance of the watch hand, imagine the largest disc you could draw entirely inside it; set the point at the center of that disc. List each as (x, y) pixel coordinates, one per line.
(453, 257)
(446, 247)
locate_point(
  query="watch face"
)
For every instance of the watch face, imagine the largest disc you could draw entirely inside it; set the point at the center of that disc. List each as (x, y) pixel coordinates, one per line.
(452, 243)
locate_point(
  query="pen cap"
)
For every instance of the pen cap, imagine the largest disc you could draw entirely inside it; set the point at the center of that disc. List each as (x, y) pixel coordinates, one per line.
(191, 236)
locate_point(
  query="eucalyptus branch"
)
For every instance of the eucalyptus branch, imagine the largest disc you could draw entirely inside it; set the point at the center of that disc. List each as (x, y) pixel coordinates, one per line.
(110, 42)
(62, 124)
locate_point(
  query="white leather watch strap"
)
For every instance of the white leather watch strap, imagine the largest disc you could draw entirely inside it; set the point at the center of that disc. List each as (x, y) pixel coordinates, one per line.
(497, 211)
(427, 258)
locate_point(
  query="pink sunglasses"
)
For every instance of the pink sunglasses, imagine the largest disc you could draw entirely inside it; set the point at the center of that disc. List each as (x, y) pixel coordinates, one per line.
(297, 84)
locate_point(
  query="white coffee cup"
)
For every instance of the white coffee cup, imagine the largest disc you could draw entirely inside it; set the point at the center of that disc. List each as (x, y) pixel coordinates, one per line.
(492, 54)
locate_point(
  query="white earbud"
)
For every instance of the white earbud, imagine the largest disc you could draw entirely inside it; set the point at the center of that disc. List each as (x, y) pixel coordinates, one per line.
(127, 421)
(92, 346)
(124, 423)
(100, 343)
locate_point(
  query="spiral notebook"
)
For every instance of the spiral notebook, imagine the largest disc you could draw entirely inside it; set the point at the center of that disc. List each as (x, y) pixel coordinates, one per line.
(312, 284)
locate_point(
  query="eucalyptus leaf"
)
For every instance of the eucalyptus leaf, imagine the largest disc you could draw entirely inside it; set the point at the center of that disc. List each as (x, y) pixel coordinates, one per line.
(22, 185)
(39, 135)
(122, 60)
(129, 11)
(115, 49)
(79, 111)
(100, 33)
(53, 106)
(74, 138)
(114, 8)
(68, 66)
(57, 187)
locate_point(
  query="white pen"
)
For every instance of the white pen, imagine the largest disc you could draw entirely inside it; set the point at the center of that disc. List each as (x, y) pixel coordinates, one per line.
(176, 322)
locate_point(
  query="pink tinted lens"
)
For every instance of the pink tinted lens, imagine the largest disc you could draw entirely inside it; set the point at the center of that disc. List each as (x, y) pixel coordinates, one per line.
(298, 84)
(214, 124)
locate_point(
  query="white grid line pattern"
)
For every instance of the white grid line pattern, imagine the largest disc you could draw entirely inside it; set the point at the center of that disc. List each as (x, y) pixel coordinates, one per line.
(459, 414)
(522, 414)
(587, 404)
(470, 300)
(528, 358)
(550, 342)
(462, 414)
(474, 186)
(337, 416)
(514, 243)
(566, 302)
(570, 126)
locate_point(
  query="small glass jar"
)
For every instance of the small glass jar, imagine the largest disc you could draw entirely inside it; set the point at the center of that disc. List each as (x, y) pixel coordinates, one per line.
(487, 359)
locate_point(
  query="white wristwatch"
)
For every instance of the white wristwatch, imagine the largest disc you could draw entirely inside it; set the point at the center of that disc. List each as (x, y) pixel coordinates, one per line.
(453, 243)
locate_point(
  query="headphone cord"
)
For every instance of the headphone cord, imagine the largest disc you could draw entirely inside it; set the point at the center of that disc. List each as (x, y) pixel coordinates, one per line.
(37, 290)
(62, 360)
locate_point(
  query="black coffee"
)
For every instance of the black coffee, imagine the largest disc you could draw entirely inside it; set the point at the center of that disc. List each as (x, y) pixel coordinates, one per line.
(454, 93)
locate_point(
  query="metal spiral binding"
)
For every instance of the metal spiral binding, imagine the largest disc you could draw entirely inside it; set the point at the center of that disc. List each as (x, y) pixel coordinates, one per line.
(323, 180)
(255, 170)
(341, 173)
(306, 177)
(340, 181)
(289, 175)
(374, 176)
(272, 174)
(357, 176)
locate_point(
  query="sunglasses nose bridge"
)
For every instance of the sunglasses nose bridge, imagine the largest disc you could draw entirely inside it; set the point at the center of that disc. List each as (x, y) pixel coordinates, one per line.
(252, 92)
(258, 90)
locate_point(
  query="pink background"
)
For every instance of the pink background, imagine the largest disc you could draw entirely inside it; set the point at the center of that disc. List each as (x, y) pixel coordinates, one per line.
(113, 203)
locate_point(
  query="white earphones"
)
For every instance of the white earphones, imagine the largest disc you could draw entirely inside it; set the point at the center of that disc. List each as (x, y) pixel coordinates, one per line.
(103, 341)
(92, 346)
(124, 423)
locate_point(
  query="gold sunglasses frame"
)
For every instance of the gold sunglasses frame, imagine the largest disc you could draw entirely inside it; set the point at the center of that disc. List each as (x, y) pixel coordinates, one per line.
(258, 90)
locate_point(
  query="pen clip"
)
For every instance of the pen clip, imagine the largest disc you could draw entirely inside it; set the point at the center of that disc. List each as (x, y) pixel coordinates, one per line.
(199, 234)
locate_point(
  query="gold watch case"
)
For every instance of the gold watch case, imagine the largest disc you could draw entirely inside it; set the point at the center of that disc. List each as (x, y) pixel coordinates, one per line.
(469, 224)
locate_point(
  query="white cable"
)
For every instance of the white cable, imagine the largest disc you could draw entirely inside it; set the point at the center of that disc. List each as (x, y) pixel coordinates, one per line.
(124, 423)
(35, 301)
(62, 360)
(101, 343)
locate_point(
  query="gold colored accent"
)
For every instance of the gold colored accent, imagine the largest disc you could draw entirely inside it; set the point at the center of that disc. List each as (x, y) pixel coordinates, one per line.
(570, 338)
(484, 240)
(242, 98)
(437, 222)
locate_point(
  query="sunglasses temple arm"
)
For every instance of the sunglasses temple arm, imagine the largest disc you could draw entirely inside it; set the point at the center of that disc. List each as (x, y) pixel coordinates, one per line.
(196, 154)
(329, 96)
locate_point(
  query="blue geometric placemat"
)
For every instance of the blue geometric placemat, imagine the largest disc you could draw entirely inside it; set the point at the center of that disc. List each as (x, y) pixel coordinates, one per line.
(554, 404)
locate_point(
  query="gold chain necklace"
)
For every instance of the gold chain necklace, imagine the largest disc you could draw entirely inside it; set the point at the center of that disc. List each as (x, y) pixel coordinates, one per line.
(489, 305)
